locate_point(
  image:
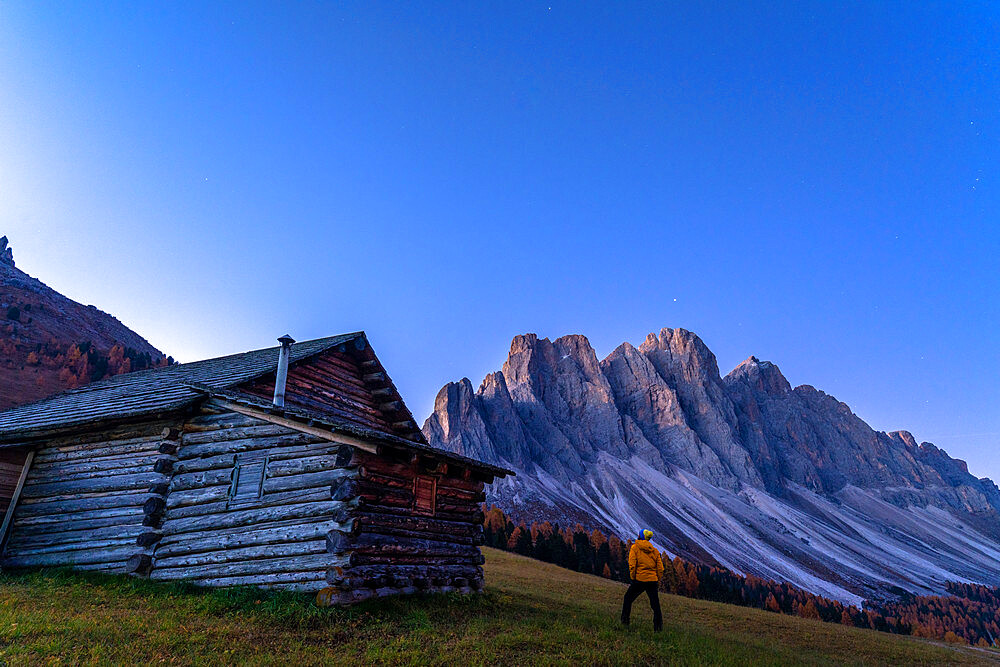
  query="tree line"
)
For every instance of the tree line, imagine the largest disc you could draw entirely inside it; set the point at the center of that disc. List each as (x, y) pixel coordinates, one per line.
(75, 364)
(83, 363)
(970, 614)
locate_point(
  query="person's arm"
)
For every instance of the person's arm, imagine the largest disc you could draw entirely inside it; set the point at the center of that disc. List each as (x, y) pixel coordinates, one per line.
(659, 566)
(633, 555)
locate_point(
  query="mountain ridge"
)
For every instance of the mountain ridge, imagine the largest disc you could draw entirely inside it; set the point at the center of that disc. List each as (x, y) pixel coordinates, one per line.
(741, 470)
(49, 343)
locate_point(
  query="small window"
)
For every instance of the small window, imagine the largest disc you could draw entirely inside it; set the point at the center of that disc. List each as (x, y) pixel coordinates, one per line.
(248, 478)
(424, 494)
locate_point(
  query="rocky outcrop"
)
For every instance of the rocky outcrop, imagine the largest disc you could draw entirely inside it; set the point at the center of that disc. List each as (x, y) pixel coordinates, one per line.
(817, 442)
(559, 393)
(655, 421)
(741, 470)
(6, 252)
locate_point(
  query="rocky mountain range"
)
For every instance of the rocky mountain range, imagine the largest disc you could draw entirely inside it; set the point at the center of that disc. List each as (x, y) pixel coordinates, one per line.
(49, 342)
(742, 471)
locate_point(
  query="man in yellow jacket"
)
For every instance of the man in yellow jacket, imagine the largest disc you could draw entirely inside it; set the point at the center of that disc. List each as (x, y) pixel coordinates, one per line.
(645, 567)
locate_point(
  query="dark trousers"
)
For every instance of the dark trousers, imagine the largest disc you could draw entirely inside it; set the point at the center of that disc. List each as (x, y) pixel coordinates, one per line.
(634, 591)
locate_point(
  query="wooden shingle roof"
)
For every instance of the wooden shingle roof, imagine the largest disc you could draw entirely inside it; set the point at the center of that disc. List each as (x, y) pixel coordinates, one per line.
(154, 391)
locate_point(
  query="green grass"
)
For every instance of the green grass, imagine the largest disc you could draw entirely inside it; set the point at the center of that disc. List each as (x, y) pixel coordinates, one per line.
(533, 613)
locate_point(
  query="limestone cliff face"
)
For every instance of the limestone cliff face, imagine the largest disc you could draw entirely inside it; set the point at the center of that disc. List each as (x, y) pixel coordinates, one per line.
(564, 400)
(742, 470)
(816, 441)
(686, 363)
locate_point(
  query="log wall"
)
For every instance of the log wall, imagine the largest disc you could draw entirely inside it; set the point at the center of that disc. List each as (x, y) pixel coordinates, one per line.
(83, 499)
(274, 539)
(392, 548)
(221, 498)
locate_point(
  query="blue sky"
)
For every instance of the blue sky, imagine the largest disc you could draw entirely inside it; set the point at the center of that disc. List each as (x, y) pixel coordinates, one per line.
(812, 183)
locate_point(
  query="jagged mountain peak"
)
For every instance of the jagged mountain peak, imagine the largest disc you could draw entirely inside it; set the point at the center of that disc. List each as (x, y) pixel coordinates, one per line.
(681, 346)
(576, 341)
(453, 391)
(635, 361)
(534, 361)
(763, 375)
(522, 342)
(904, 437)
(742, 471)
(493, 383)
(576, 345)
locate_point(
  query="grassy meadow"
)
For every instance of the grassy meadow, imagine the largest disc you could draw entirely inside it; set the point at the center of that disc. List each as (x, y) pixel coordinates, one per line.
(532, 613)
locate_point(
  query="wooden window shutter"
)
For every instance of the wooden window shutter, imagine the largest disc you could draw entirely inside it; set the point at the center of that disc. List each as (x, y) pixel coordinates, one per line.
(248, 478)
(424, 494)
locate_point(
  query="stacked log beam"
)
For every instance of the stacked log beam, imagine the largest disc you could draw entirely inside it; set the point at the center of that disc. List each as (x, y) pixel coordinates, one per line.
(83, 500)
(275, 541)
(157, 500)
(152, 510)
(390, 548)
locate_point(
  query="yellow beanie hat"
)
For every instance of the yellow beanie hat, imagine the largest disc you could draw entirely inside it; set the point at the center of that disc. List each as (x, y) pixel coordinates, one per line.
(648, 534)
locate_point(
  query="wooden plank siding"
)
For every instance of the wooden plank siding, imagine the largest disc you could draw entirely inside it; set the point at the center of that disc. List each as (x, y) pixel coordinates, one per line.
(189, 472)
(330, 384)
(82, 504)
(326, 514)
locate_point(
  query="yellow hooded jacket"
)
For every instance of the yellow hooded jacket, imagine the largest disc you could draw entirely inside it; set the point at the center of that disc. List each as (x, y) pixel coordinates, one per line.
(644, 562)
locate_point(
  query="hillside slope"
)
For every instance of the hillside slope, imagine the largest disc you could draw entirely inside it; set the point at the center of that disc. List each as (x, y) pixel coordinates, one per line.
(533, 613)
(742, 471)
(49, 343)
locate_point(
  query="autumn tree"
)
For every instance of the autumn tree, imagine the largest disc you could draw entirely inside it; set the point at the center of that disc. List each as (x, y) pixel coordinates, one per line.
(809, 610)
(520, 541)
(970, 614)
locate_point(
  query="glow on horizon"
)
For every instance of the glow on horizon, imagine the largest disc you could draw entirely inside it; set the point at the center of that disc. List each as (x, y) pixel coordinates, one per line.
(810, 185)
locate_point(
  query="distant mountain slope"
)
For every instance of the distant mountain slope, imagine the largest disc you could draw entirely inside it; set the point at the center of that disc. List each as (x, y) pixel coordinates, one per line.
(49, 343)
(741, 470)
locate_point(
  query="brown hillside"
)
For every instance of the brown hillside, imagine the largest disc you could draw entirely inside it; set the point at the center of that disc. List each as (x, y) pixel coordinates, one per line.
(49, 343)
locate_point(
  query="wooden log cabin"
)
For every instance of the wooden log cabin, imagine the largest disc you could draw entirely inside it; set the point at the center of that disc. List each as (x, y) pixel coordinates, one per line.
(295, 467)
